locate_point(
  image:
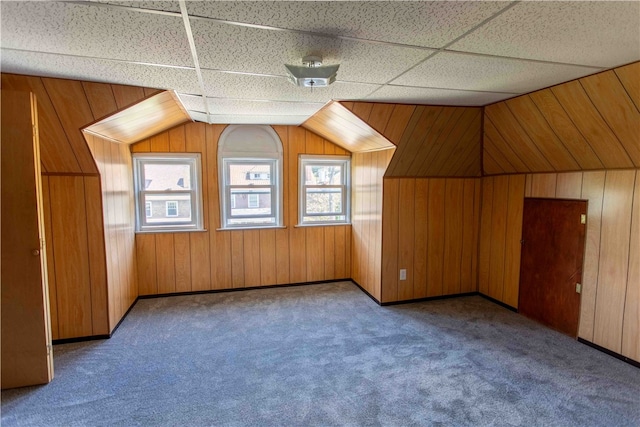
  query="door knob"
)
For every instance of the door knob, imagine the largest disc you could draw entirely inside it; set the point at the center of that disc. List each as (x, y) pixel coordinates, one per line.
(35, 252)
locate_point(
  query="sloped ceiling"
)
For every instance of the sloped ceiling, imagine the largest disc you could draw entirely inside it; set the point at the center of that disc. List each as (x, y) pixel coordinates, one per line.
(589, 123)
(226, 59)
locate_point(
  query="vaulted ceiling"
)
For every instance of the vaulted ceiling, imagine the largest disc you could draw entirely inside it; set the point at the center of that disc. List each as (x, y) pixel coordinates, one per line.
(226, 59)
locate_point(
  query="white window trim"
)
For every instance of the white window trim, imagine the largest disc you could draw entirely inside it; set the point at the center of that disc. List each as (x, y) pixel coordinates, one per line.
(194, 161)
(310, 159)
(249, 143)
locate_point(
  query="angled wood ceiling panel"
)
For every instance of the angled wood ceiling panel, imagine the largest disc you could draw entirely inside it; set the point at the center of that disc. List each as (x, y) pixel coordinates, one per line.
(340, 125)
(589, 123)
(64, 108)
(431, 140)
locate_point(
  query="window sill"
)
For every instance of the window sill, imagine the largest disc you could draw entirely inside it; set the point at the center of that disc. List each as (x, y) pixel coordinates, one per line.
(271, 227)
(176, 230)
(332, 224)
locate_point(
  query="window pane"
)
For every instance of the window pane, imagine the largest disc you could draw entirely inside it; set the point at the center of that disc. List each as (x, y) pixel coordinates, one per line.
(163, 177)
(251, 202)
(324, 200)
(167, 208)
(323, 174)
(250, 174)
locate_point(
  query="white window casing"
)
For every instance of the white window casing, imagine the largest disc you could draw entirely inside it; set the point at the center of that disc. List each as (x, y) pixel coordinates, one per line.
(250, 177)
(168, 192)
(324, 190)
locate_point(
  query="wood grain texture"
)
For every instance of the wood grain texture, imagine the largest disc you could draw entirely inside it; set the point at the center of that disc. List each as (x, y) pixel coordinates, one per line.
(337, 124)
(390, 213)
(406, 237)
(631, 319)
(498, 236)
(589, 123)
(70, 245)
(25, 315)
(214, 259)
(513, 247)
(142, 120)
(486, 240)
(453, 230)
(628, 76)
(592, 190)
(614, 259)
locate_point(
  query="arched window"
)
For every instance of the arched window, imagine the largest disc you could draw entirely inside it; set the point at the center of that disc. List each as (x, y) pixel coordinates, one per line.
(250, 177)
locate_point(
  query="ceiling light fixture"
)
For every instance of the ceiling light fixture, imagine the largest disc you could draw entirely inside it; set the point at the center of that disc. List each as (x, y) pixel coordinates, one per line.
(312, 73)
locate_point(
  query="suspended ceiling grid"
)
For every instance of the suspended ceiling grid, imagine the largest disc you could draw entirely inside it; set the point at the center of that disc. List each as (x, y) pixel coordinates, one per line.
(226, 59)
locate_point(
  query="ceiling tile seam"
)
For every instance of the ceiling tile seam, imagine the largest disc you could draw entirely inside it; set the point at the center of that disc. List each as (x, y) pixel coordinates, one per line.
(259, 100)
(348, 38)
(194, 53)
(456, 89)
(460, 37)
(97, 58)
(124, 8)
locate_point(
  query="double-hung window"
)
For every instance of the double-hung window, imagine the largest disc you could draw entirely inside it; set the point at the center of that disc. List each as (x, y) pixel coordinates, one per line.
(324, 189)
(250, 177)
(168, 192)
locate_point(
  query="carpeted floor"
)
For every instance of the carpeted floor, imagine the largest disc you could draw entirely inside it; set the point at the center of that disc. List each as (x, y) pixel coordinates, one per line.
(327, 355)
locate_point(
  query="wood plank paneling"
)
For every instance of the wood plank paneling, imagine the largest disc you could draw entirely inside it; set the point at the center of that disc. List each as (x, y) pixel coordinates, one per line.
(71, 105)
(608, 308)
(589, 123)
(345, 129)
(614, 259)
(165, 263)
(390, 213)
(593, 192)
(498, 236)
(216, 259)
(628, 76)
(70, 245)
(631, 320)
(453, 229)
(51, 265)
(406, 237)
(142, 120)
(146, 261)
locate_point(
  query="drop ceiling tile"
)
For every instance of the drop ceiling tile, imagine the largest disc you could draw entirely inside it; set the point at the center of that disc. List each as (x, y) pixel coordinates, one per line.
(253, 50)
(490, 74)
(244, 86)
(99, 70)
(101, 32)
(192, 102)
(598, 33)
(258, 119)
(273, 108)
(428, 24)
(165, 5)
(418, 95)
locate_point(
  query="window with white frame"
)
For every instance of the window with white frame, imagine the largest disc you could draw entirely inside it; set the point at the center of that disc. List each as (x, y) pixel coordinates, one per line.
(250, 176)
(168, 192)
(324, 190)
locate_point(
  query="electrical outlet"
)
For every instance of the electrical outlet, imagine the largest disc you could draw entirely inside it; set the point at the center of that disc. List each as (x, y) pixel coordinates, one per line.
(403, 274)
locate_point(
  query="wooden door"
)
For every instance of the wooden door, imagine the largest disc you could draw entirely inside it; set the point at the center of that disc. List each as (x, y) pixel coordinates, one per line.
(553, 236)
(26, 333)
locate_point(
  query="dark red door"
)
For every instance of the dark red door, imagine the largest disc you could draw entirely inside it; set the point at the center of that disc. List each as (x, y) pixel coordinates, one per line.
(551, 264)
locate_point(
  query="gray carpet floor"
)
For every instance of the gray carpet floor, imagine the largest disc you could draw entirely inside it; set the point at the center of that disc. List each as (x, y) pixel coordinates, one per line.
(327, 355)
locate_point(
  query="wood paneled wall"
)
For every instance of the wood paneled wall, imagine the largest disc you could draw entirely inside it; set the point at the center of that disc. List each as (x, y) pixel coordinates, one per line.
(366, 218)
(586, 124)
(86, 296)
(432, 141)
(610, 303)
(75, 260)
(430, 228)
(500, 235)
(197, 261)
(117, 225)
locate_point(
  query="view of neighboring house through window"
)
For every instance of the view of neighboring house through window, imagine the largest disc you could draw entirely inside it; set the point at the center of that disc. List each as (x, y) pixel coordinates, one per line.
(250, 177)
(324, 189)
(168, 192)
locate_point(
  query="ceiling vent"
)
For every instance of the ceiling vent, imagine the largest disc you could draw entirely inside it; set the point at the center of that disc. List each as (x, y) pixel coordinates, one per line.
(311, 73)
